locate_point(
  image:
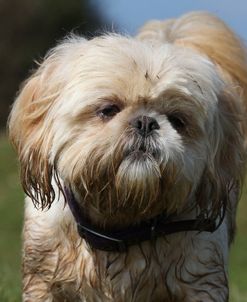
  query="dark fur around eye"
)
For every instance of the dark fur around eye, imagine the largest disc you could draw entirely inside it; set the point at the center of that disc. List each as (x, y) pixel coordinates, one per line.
(108, 111)
(177, 122)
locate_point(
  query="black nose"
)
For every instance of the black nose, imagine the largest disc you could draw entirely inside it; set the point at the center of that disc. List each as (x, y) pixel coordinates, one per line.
(145, 124)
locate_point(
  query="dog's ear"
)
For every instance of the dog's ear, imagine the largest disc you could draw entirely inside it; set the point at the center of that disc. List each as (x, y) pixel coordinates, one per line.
(226, 159)
(30, 135)
(32, 118)
(30, 132)
(209, 36)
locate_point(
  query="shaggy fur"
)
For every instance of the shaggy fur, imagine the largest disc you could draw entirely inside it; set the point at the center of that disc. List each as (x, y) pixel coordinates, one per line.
(73, 124)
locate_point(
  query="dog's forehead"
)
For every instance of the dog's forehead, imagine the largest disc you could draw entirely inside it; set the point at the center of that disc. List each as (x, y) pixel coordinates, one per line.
(134, 70)
(137, 69)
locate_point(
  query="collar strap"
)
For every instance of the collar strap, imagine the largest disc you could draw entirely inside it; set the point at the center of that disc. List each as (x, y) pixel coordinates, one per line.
(120, 240)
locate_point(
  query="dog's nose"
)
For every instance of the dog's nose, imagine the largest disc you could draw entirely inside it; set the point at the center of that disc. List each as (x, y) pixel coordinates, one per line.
(144, 124)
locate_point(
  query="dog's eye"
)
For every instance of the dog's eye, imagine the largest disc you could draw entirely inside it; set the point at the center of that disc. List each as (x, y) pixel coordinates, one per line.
(109, 111)
(177, 122)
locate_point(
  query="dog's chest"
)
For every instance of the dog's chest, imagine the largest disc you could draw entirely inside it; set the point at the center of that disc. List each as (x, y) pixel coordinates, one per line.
(173, 268)
(100, 276)
(162, 271)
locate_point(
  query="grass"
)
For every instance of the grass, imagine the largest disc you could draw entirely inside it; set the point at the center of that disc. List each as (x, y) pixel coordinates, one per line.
(11, 216)
(238, 260)
(11, 213)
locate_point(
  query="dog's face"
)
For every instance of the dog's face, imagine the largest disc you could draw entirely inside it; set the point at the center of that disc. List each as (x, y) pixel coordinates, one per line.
(134, 129)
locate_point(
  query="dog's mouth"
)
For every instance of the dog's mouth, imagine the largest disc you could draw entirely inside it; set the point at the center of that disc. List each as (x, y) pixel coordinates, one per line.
(142, 150)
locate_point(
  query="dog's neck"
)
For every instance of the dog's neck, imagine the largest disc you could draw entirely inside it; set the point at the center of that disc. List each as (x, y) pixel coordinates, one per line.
(112, 239)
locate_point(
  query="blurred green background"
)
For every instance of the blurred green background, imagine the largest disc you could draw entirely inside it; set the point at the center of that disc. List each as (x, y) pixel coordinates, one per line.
(28, 29)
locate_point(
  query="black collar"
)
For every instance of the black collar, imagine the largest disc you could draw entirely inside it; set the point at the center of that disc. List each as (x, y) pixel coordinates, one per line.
(120, 240)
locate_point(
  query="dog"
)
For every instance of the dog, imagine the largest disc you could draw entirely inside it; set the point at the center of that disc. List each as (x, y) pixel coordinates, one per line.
(132, 156)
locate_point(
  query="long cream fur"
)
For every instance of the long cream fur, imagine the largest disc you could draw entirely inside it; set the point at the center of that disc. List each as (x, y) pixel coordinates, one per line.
(190, 75)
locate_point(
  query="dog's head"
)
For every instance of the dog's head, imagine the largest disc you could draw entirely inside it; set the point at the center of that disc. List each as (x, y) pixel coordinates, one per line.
(133, 128)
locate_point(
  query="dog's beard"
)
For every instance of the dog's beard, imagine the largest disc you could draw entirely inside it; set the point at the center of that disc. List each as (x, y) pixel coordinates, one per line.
(138, 179)
(131, 179)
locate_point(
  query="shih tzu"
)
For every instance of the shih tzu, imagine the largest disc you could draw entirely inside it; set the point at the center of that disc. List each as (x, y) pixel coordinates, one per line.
(132, 155)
